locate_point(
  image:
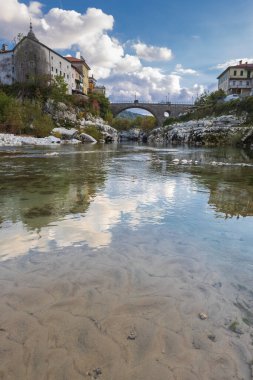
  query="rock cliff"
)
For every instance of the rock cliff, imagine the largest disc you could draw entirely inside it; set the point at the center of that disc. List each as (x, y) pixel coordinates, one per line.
(221, 130)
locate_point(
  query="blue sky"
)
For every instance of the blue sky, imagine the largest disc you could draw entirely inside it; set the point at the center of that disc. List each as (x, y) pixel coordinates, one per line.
(156, 49)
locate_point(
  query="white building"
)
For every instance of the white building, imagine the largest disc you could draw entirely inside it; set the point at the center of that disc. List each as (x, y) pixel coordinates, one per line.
(32, 61)
(237, 79)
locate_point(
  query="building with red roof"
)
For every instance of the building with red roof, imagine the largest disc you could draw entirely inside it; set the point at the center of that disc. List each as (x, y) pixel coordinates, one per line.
(237, 79)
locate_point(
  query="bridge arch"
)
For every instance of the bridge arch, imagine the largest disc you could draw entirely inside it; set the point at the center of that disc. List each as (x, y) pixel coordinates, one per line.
(134, 106)
(158, 110)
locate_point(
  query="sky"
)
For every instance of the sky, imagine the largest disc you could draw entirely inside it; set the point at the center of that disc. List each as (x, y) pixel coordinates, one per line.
(158, 51)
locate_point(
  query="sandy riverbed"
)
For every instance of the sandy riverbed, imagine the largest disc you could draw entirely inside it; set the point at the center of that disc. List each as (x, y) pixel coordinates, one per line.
(120, 314)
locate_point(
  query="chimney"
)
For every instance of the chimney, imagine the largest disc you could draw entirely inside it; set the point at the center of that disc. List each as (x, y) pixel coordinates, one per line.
(4, 47)
(240, 62)
(78, 55)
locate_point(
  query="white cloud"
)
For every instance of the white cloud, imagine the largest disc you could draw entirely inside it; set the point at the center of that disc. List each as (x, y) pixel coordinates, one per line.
(152, 53)
(232, 62)
(35, 8)
(181, 70)
(90, 32)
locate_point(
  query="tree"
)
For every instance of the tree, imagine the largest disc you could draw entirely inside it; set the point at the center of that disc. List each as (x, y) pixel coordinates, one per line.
(103, 103)
(210, 99)
(18, 38)
(58, 89)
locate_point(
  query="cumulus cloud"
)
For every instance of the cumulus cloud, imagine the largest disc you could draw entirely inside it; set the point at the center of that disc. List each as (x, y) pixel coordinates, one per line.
(179, 69)
(90, 32)
(232, 62)
(152, 53)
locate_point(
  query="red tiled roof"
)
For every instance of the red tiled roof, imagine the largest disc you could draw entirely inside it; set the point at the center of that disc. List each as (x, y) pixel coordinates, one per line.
(77, 60)
(5, 51)
(244, 66)
(73, 59)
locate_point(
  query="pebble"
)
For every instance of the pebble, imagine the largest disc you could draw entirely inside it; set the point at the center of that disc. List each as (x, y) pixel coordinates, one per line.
(212, 337)
(203, 316)
(132, 335)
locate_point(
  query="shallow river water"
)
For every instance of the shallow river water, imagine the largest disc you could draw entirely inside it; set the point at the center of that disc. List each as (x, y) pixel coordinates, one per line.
(108, 254)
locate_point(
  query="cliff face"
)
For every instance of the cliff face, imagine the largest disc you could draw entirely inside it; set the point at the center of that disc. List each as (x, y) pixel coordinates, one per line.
(69, 119)
(221, 130)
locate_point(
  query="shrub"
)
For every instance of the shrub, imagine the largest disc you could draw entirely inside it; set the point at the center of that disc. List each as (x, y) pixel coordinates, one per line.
(94, 132)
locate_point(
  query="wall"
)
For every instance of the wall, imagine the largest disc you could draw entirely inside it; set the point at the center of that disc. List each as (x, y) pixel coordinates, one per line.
(31, 62)
(34, 62)
(7, 73)
(60, 66)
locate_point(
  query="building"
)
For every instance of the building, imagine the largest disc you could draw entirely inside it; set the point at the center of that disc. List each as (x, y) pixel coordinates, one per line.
(237, 79)
(31, 60)
(6, 65)
(81, 66)
(100, 90)
(76, 80)
(92, 83)
(94, 88)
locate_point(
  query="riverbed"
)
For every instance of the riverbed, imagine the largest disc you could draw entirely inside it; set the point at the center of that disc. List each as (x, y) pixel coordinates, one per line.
(110, 256)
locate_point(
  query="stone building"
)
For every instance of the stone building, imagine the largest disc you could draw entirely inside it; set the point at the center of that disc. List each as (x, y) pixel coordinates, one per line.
(237, 79)
(32, 61)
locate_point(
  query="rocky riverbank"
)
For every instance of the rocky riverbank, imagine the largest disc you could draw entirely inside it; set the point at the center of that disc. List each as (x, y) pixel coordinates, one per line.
(71, 127)
(222, 130)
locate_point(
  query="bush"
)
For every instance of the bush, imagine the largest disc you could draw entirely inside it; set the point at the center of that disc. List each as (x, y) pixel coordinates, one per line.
(212, 105)
(94, 132)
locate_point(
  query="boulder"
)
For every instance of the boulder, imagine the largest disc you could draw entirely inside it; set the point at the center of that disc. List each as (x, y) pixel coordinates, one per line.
(64, 133)
(85, 138)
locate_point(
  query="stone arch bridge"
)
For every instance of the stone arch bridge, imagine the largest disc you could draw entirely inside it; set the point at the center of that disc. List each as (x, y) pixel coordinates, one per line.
(158, 110)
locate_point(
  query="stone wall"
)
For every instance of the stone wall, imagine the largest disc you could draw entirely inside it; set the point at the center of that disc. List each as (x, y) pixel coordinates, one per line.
(31, 61)
(7, 74)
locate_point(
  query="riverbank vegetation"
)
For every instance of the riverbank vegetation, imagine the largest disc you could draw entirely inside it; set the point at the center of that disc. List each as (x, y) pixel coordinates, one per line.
(144, 123)
(23, 106)
(213, 105)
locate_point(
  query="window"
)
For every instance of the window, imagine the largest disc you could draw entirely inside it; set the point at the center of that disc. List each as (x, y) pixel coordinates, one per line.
(68, 76)
(235, 72)
(240, 83)
(60, 64)
(64, 75)
(234, 83)
(247, 83)
(56, 71)
(52, 68)
(60, 73)
(52, 57)
(241, 73)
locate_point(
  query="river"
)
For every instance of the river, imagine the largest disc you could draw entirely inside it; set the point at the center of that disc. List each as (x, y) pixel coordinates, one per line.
(110, 253)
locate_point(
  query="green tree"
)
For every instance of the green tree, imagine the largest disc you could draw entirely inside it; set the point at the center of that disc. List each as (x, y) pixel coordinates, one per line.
(58, 89)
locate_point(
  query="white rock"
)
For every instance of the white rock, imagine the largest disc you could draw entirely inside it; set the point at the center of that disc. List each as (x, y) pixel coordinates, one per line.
(87, 138)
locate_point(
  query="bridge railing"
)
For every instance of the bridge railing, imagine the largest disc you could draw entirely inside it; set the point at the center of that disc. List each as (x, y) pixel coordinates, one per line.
(151, 103)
